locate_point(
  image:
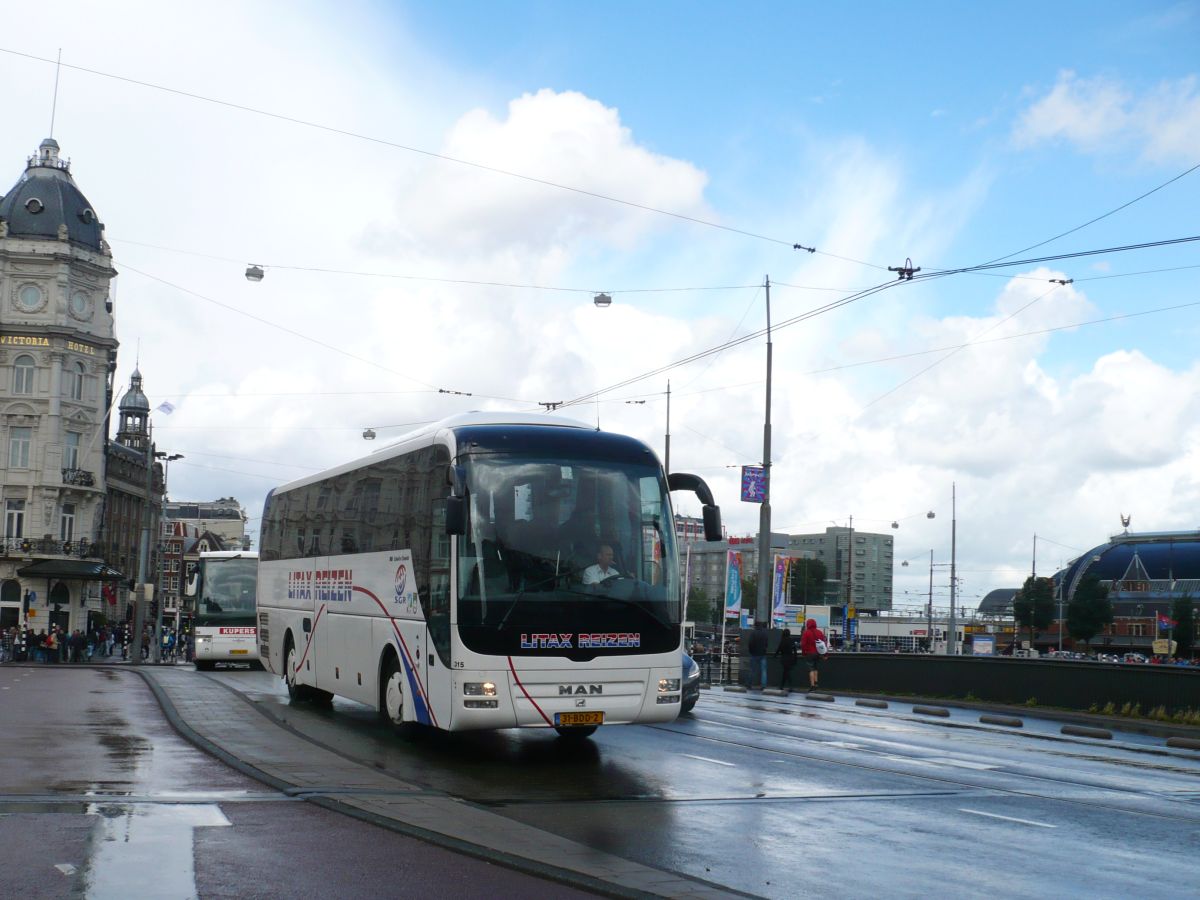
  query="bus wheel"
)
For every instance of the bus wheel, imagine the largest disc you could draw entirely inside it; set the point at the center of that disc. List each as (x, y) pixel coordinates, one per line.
(391, 692)
(296, 691)
(576, 732)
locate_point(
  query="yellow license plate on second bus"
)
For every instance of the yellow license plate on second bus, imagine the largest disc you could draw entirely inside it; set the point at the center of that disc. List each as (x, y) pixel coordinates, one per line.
(236, 652)
(579, 718)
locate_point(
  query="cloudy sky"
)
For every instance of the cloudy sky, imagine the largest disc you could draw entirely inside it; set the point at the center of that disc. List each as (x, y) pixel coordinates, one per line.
(438, 190)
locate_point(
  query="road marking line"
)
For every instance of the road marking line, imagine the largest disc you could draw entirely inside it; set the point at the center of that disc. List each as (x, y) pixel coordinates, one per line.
(719, 762)
(65, 868)
(976, 812)
(962, 763)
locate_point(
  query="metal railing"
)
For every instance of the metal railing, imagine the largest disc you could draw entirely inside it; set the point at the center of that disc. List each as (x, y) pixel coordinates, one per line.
(24, 546)
(78, 477)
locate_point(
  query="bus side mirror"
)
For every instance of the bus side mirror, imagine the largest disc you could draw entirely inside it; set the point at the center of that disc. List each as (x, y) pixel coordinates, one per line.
(712, 523)
(189, 586)
(682, 481)
(456, 515)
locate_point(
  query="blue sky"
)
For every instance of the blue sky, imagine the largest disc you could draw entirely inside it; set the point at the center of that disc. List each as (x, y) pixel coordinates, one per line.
(950, 133)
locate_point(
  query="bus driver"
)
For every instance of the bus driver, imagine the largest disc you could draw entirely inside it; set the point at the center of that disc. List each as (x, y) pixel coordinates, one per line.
(603, 569)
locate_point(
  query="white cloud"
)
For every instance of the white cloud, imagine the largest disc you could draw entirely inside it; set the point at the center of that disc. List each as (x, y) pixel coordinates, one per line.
(1101, 114)
(563, 138)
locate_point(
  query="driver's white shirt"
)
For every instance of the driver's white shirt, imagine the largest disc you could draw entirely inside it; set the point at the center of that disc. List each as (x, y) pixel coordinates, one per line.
(595, 574)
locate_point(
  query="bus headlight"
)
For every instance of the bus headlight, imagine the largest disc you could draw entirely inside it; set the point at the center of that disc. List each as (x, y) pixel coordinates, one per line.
(666, 685)
(479, 689)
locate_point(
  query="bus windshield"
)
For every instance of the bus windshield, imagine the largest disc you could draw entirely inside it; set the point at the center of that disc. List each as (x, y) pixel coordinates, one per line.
(564, 546)
(225, 595)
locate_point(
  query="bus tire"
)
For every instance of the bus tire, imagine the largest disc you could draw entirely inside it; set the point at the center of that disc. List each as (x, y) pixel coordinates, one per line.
(576, 732)
(296, 691)
(205, 665)
(391, 692)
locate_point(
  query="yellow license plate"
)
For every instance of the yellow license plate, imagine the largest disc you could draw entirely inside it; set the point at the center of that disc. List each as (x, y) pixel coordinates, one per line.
(236, 652)
(579, 718)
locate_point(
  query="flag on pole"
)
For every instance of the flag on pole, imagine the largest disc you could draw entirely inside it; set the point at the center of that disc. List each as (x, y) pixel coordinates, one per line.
(166, 408)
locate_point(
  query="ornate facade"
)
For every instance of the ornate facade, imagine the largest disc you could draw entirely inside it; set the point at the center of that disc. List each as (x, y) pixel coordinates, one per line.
(57, 358)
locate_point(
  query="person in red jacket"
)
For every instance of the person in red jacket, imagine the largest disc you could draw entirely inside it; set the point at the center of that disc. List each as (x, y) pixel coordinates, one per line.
(813, 652)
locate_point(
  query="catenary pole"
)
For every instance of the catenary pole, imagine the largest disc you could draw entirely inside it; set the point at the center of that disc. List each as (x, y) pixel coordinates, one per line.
(762, 611)
(952, 638)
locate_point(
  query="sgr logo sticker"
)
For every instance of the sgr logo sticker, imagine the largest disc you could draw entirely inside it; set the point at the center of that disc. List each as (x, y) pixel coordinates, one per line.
(401, 583)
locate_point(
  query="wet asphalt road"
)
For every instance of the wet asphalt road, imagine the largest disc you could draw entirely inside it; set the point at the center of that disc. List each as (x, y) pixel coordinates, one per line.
(754, 792)
(99, 798)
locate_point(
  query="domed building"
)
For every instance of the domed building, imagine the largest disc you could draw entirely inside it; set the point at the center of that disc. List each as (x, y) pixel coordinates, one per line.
(1145, 574)
(58, 353)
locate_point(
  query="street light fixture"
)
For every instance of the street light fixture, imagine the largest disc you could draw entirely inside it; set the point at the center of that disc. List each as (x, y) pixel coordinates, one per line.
(368, 434)
(602, 300)
(254, 273)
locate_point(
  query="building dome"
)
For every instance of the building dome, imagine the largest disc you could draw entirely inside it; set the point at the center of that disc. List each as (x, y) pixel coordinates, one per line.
(134, 401)
(1151, 566)
(46, 199)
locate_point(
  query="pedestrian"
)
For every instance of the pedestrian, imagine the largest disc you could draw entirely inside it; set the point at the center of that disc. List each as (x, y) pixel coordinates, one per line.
(786, 651)
(758, 654)
(814, 646)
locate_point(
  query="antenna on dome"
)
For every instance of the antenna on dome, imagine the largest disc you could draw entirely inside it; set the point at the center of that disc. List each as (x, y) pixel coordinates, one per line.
(54, 103)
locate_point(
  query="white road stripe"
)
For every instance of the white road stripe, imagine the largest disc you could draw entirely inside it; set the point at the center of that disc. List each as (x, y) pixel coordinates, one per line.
(719, 762)
(962, 763)
(976, 812)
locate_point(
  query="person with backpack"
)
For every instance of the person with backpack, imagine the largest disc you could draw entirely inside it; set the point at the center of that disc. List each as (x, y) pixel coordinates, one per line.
(786, 651)
(814, 647)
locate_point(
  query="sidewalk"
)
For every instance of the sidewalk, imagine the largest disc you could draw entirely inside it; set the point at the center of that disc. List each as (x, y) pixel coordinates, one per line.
(223, 723)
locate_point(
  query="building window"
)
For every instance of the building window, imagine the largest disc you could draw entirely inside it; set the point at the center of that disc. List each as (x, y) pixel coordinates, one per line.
(23, 367)
(71, 450)
(19, 440)
(76, 381)
(14, 518)
(66, 529)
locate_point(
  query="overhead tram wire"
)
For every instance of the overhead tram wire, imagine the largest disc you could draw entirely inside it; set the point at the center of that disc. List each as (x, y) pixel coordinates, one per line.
(343, 132)
(464, 281)
(940, 273)
(282, 328)
(695, 357)
(1098, 218)
(837, 304)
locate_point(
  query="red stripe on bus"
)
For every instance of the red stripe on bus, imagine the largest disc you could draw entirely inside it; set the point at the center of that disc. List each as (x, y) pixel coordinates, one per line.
(526, 693)
(408, 656)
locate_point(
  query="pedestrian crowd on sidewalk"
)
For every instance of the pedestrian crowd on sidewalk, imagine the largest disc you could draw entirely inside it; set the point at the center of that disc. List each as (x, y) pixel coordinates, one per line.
(104, 642)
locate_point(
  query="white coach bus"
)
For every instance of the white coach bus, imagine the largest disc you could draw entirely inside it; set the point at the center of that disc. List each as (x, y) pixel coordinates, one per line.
(224, 585)
(489, 571)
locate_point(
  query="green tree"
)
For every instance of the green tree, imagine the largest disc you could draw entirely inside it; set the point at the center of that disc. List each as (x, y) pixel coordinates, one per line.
(699, 607)
(808, 581)
(750, 595)
(1183, 611)
(1033, 606)
(1089, 611)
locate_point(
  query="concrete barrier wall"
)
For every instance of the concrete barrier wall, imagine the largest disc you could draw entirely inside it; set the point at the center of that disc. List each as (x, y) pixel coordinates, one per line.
(1062, 683)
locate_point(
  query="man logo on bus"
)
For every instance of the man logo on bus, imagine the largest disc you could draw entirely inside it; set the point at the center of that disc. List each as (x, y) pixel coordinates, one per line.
(401, 582)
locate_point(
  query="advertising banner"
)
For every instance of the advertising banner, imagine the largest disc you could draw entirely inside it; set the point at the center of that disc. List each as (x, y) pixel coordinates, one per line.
(754, 484)
(733, 584)
(778, 592)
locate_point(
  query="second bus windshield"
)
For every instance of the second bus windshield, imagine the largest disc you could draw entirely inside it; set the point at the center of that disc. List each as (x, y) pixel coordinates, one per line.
(227, 589)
